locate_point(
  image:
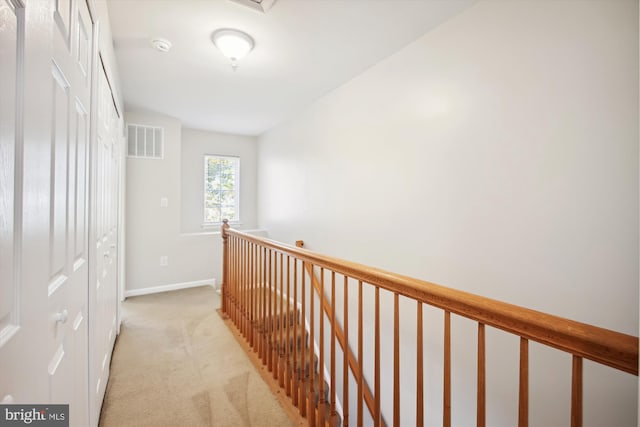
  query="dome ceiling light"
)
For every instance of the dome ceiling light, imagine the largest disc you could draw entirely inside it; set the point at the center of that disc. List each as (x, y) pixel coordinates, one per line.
(234, 44)
(161, 45)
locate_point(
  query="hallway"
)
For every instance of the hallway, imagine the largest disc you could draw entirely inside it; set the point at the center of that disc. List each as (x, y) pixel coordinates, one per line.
(176, 363)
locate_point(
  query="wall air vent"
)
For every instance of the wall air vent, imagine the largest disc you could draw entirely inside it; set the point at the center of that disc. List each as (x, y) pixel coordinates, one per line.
(258, 5)
(145, 141)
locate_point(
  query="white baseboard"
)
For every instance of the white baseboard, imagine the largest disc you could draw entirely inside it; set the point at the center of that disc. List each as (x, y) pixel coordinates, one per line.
(171, 287)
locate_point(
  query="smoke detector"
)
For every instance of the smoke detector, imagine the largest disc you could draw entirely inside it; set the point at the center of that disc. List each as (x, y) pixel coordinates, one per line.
(257, 5)
(161, 45)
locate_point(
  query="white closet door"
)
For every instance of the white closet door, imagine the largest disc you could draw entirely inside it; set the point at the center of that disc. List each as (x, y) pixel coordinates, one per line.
(16, 328)
(103, 292)
(68, 273)
(45, 94)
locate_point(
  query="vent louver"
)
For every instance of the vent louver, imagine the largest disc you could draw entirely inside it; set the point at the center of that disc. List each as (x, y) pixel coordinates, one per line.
(145, 141)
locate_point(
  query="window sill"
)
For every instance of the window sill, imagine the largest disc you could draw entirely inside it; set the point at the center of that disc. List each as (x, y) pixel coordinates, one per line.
(216, 232)
(218, 225)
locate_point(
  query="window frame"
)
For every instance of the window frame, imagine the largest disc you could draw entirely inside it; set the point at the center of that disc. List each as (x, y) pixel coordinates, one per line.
(236, 190)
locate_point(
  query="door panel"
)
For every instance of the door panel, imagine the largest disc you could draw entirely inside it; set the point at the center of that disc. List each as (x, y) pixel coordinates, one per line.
(81, 144)
(59, 153)
(25, 233)
(9, 36)
(68, 290)
(62, 16)
(104, 293)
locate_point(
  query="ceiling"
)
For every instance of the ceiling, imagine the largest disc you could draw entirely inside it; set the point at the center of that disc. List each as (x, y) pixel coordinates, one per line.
(304, 49)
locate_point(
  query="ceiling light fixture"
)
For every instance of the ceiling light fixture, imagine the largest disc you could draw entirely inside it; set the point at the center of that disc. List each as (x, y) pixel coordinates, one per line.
(162, 45)
(234, 44)
(257, 5)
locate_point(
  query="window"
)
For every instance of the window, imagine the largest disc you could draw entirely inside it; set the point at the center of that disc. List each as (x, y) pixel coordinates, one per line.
(145, 141)
(221, 185)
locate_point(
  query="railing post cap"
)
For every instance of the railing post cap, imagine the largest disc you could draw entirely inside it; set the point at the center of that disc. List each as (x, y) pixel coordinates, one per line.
(225, 227)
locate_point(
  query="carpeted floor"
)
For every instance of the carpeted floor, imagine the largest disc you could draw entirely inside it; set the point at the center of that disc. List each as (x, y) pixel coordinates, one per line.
(176, 364)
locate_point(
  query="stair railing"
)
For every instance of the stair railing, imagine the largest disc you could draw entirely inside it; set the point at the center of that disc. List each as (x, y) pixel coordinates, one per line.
(261, 279)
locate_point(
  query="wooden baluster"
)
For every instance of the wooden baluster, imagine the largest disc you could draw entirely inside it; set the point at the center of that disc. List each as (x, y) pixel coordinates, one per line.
(419, 372)
(229, 279)
(396, 360)
(303, 378)
(345, 357)
(275, 322)
(254, 296)
(282, 324)
(243, 305)
(240, 286)
(250, 293)
(245, 273)
(247, 314)
(288, 342)
(360, 358)
(377, 414)
(269, 312)
(236, 283)
(446, 417)
(256, 299)
(231, 282)
(295, 393)
(239, 282)
(481, 404)
(576, 392)
(234, 291)
(274, 313)
(332, 387)
(265, 323)
(274, 316)
(523, 405)
(265, 312)
(236, 295)
(312, 320)
(321, 400)
(270, 328)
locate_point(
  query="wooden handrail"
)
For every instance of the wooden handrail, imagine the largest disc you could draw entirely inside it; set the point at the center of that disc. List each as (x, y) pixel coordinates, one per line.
(610, 348)
(353, 363)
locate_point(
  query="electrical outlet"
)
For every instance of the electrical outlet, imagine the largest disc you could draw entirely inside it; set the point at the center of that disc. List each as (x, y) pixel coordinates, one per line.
(164, 261)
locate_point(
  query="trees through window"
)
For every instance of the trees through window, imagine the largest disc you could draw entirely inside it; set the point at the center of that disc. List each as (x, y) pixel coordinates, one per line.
(221, 189)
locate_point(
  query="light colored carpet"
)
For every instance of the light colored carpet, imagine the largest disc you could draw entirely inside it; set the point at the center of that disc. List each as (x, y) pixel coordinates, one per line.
(176, 364)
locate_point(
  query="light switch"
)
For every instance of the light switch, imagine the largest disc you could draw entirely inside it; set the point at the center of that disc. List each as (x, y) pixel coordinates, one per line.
(164, 202)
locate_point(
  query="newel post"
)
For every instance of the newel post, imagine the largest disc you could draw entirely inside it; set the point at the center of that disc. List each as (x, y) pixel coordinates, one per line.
(225, 263)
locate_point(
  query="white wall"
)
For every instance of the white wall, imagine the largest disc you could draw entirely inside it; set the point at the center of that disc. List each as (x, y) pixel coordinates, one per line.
(152, 231)
(497, 154)
(195, 145)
